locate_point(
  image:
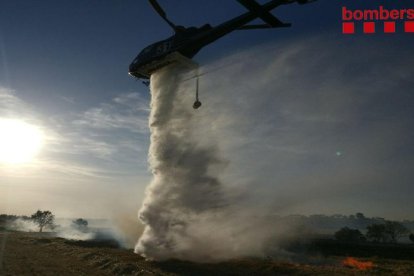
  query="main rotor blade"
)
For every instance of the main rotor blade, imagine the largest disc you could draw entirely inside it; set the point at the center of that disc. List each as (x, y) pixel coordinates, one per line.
(161, 12)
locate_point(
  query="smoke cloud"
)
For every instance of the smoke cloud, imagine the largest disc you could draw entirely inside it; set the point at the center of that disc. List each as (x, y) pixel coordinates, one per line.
(183, 189)
(293, 130)
(188, 212)
(23, 225)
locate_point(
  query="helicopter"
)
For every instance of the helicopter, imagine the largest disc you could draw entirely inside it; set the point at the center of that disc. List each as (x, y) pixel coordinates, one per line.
(188, 41)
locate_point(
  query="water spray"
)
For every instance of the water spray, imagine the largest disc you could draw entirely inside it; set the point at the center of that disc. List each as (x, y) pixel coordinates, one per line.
(185, 188)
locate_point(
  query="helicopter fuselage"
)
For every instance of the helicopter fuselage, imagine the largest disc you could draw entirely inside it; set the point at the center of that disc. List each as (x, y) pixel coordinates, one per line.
(188, 42)
(158, 55)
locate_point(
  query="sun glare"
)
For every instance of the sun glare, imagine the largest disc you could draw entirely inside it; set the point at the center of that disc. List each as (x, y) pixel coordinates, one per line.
(19, 141)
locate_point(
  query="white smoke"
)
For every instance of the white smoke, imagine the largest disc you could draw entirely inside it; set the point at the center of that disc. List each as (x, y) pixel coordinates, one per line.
(187, 211)
(24, 225)
(68, 230)
(65, 229)
(281, 118)
(182, 189)
(119, 232)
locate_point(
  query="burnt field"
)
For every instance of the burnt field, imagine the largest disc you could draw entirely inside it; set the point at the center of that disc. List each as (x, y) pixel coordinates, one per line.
(42, 254)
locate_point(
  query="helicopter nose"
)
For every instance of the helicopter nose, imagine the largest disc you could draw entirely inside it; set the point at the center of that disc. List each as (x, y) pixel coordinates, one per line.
(196, 104)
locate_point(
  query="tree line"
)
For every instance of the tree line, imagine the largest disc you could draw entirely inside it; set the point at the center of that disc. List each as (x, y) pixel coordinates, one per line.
(387, 232)
(43, 219)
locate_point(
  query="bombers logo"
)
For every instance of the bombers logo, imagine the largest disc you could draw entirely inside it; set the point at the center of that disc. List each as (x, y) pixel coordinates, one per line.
(377, 20)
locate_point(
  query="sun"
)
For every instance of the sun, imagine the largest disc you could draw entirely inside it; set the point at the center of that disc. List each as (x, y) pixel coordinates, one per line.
(19, 141)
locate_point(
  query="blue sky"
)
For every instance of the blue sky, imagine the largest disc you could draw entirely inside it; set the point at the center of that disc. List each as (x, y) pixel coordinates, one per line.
(63, 67)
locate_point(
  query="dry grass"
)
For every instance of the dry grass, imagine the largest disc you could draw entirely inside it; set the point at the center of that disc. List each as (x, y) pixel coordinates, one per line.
(40, 254)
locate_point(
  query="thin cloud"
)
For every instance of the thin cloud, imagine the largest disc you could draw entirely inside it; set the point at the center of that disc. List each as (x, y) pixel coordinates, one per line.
(127, 112)
(11, 105)
(54, 169)
(86, 145)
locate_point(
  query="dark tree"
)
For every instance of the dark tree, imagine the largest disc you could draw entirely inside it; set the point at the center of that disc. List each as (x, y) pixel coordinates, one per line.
(411, 237)
(43, 219)
(80, 224)
(376, 233)
(395, 230)
(349, 235)
(390, 231)
(360, 216)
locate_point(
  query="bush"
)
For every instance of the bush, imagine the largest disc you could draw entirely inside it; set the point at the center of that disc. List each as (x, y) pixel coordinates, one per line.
(80, 224)
(349, 235)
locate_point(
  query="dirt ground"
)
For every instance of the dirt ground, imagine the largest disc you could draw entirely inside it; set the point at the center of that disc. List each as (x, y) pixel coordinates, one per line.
(41, 254)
